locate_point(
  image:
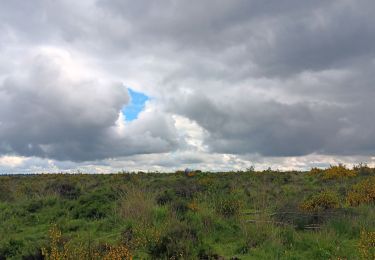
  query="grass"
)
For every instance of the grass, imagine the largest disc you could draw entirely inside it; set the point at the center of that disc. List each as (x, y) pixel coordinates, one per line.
(320, 214)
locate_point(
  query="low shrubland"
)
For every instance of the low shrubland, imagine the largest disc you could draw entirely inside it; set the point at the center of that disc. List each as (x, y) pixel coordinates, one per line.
(319, 214)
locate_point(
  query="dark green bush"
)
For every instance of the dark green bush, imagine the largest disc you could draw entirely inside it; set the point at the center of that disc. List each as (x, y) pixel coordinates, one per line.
(34, 206)
(66, 190)
(93, 206)
(179, 242)
(10, 249)
(164, 198)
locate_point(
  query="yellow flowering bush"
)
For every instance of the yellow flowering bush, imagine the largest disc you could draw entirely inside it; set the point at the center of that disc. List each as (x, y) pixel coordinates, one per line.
(61, 250)
(366, 245)
(120, 252)
(362, 192)
(321, 201)
(337, 172)
(333, 172)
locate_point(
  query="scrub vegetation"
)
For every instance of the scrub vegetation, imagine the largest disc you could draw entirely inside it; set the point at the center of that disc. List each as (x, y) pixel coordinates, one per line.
(317, 214)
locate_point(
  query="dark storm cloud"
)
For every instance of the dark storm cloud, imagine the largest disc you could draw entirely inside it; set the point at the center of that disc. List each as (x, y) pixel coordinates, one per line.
(278, 78)
(279, 37)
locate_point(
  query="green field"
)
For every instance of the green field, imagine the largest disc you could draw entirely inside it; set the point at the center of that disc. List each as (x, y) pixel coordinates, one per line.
(250, 214)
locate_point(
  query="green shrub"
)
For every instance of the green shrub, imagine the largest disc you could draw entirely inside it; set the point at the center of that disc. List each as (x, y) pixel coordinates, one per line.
(11, 248)
(34, 206)
(180, 241)
(93, 206)
(164, 198)
(65, 190)
(228, 206)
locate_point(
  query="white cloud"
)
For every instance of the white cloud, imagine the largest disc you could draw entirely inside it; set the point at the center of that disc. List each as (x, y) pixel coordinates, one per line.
(11, 161)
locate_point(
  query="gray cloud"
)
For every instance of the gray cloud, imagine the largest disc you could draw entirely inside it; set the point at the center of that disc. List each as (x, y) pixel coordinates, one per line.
(272, 78)
(46, 112)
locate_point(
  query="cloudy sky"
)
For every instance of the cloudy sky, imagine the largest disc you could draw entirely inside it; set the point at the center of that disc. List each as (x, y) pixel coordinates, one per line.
(101, 86)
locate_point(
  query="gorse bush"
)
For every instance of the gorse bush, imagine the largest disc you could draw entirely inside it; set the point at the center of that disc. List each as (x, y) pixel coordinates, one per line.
(59, 249)
(362, 192)
(366, 244)
(322, 201)
(339, 171)
(334, 172)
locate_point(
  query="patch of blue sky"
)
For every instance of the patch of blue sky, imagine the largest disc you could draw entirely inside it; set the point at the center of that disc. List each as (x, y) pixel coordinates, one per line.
(136, 105)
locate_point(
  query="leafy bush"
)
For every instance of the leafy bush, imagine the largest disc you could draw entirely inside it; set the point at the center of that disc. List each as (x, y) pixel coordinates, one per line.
(164, 198)
(178, 242)
(59, 249)
(228, 206)
(10, 249)
(322, 201)
(93, 206)
(362, 192)
(34, 206)
(65, 190)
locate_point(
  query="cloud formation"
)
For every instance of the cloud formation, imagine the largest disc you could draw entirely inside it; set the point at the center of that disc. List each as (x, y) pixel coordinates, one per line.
(244, 79)
(50, 109)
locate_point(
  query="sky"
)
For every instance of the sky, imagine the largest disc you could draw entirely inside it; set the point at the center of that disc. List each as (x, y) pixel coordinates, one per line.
(135, 106)
(105, 86)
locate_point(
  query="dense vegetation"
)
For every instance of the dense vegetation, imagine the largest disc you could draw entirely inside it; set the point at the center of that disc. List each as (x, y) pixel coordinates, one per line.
(320, 214)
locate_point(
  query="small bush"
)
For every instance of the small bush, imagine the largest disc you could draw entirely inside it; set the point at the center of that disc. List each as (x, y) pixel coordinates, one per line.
(363, 169)
(11, 249)
(362, 192)
(164, 198)
(58, 249)
(180, 206)
(337, 172)
(187, 189)
(92, 206)
(66, 190)
(178, 242)
(34, 206)
(367, 245)
(229, 207)
(322, 201)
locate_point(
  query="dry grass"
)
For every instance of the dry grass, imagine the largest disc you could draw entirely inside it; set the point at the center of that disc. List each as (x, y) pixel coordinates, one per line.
(137, 205)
